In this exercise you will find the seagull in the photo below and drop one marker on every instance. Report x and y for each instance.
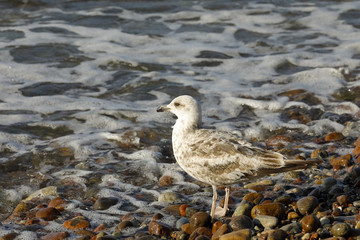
(219, 158)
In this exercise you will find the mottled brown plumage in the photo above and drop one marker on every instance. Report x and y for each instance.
(219, 158)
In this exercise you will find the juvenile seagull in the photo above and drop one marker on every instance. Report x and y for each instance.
(219, 158)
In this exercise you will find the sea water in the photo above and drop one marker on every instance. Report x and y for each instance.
(81, 80)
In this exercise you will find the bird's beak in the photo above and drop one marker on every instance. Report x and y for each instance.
(163, 109)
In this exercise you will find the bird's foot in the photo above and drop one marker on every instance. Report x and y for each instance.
(220, 212)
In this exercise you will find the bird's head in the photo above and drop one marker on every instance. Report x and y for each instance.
(186, 109)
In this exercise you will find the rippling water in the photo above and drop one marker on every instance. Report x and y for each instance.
(80, 82)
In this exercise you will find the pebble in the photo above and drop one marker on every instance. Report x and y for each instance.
(165, 181)
(55, 236)
(48, 213)
(122, 225)
(310, 223)
(243, 234)
(292, 228)
(340, 229)
(265, 182)
(244, 208)
(253, 197)
(319, 153)
(78, 222)
(292, 215)
(328, 183)
(159, 229)
(58, 202)
(270, 209)
(307, 204)
(241, 222)
(173, 209)
(182, 209)
(105, 203)
(334, 137)
(46, 191)
(277, 234)
(168, 197)
(200, 231)
(199, 219)
(266, 221)
(223, 229)
(179, 235)
(181, 221)
(345, 161)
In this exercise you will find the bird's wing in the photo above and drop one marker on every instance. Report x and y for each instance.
(225, 153)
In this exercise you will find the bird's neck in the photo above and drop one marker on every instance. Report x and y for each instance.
(184, 125)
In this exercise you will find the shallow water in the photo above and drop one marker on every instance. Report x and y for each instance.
(81, 80)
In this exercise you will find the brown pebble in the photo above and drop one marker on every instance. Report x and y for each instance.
(157, 216)
(199, 219)
(129, 217)
(173, 209)
(306, 205)
(223, 229)
(258, 188)
(342, 200)
(182, 209)
(186, 228)
(200, 231)
(270, 209)
(85, 234)
(334, 137)
(159, 229)
(240, 222)
(23, 207)
(319, 153)
(310, 223)
(55, 236)
(357, 142)
(9, 236)
(278, 141)
(124, 224)
(58, 203)
(345, 161)
(48, 213)
(165, 181)
(78, 222)
(216, 226)
(253, 197)
(244, 234)
(100, 228)
(292, 215)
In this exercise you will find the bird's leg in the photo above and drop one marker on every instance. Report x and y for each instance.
(221, 212)
(213, 206)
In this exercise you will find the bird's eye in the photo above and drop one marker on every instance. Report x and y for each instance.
(177, 104)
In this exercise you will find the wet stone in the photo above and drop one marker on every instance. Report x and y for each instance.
(182, 209)
(223, 229)
(277, 234)
(328, 183)
(340, 229)
(243, 208)
(55, 236)
(159, 229)
(266, 221)
(270, 209)
(334, 137)
(78, 222)
(243, 234)
(48, 213)
(181, 222)
(169, 197)
(124, 224)
(200, 231)
(253, 197)
(307, 204)
(105, 203)
(294, 227)
(165, 181)
(199, 219)
(58, 203)
(310, 223)
(213, 54)
(240, 222)
(172, 209)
